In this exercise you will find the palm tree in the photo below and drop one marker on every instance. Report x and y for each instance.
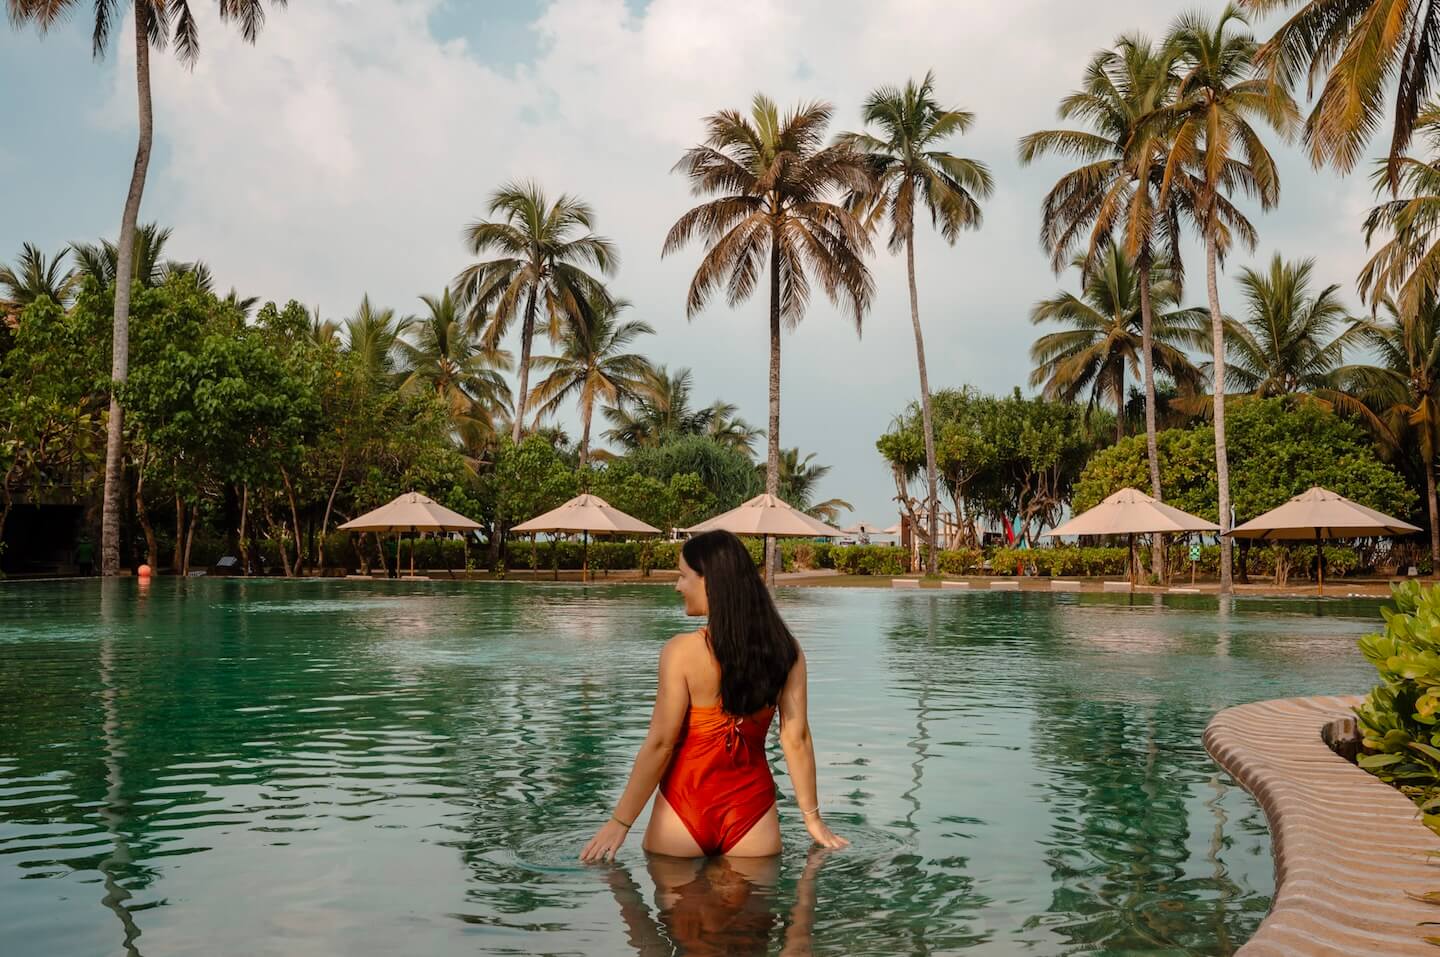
(541, 265)
(657, 408)
(1400, 394)
(798, 480)
(774, 183)
(593, 365)
(1407, 265)
(1358, 47)
(1215, 150)
(157, 23)
(1116, 188)
(33, 276)
(910, 168)
(372, 338)
(149, 267)
(1105, 338)
(726, 427)
(1284, 345)
(442, 358)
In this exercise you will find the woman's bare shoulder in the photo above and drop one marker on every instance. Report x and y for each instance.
(686, 643)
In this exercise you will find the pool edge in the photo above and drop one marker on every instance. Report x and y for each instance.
(1347, 847)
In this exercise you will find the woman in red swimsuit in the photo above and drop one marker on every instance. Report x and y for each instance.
(719, 689)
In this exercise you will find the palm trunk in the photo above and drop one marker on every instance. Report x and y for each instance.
(527, 333)
(1147, 364)
(932, 504)
(1120, 402)
(1222, 462)
(585, 416)
(120, 347)
(772, 458)
(1434, 520)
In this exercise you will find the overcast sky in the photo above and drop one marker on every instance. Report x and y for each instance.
(346, 151)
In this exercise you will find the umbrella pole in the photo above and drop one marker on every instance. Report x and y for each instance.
(1319, 564)
(412, 554)
(585, 557)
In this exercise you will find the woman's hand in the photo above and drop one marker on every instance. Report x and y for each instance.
(822, 835)
(605, 843)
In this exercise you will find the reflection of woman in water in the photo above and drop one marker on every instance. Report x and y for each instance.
(721, 905)
(719, 689)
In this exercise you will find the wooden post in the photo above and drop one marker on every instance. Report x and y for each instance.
(1319, 562)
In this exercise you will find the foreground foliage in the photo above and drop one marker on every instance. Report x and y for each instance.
(1400, 719)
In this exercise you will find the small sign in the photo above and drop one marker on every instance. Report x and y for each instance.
(1194, 553)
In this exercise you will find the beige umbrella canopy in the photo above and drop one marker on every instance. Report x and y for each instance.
(1130, 512)
(767, 515)
(1318, 514)
(411, 512)
(588, 514)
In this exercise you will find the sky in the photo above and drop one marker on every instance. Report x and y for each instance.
(345, 152)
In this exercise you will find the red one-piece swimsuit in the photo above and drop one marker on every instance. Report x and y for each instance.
(719, 781)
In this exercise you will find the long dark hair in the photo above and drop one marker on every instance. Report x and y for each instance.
(755, 649)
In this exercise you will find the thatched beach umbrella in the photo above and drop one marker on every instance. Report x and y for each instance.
(410, 512)
(1318, 514)
(589, 515)
(1130, 512)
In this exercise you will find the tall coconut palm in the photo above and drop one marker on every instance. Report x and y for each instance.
(911, 169)
(1286, 343)
(1216, 150)
(438, 355)
(1115, 191)
(158, 23)
(775, 210)
(1356, 48)
(1406, 265)
(35, 275)
(1105, 338)
(1400, 393)
(543, 251)
(593, 366)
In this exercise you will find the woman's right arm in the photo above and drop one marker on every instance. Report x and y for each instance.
(800, 754)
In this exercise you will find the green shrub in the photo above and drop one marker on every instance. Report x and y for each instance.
(870, 559)
(959, 561)
(1399, 721)
(1061, 560)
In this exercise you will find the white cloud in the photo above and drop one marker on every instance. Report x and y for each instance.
(345, 152)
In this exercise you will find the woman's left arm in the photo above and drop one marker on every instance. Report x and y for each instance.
(672, 701)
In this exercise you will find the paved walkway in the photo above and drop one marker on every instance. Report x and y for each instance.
(1347, 846)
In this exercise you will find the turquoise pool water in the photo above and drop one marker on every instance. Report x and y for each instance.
(270, 767)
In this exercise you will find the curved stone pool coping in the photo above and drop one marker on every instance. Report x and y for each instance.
(1347, 846)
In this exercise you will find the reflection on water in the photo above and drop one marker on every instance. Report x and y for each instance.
(373, 768)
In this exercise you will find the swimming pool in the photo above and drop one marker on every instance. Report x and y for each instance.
(331, 767)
